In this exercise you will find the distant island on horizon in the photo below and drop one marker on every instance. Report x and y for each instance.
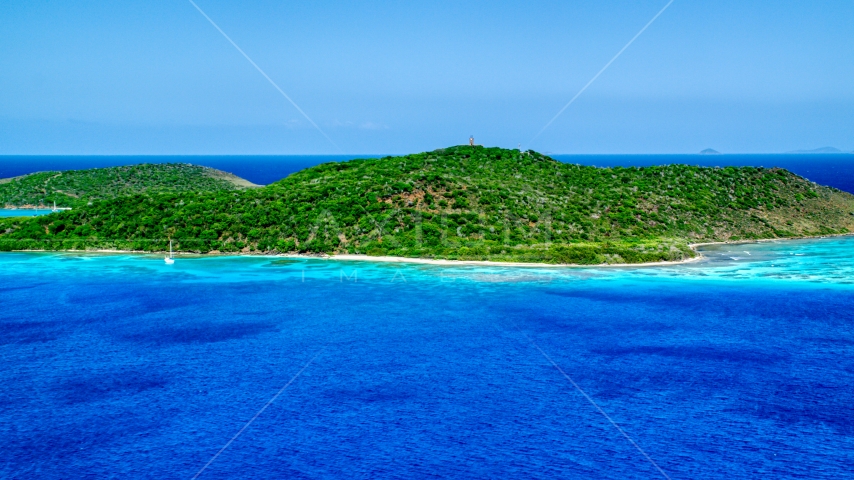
(819, 150)
(457, 203)
(712, 151)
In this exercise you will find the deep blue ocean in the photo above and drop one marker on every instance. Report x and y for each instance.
(740, 366)
(836, 170)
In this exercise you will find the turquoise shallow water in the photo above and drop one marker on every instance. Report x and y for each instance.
(4, 212)
(740, 366)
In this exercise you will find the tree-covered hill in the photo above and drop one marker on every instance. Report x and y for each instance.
(75, 188)
(460, 203)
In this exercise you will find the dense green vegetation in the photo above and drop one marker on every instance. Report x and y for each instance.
(75, 188)
(459, 203)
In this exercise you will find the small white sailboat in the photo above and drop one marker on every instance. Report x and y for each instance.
(169, 260)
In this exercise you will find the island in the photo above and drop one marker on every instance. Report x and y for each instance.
(819, 150)
(458, 203)
(76, 188)
(709, 151)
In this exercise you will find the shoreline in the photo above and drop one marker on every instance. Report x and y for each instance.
(429, 261)
(490, 263)
(380, 259)
(449, 263)
(32, 207)
(768, 240)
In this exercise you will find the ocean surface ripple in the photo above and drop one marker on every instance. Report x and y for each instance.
(738, 366)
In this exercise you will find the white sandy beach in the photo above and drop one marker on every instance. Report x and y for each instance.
(442, 262)
(429, 261)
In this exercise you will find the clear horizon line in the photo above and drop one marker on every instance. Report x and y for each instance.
(841, 152)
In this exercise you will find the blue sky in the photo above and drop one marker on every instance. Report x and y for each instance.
(155, 77)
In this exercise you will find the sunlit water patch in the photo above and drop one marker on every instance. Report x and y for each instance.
(738, 366)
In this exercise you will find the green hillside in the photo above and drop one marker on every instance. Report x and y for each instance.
(74, 188)
(460, 203)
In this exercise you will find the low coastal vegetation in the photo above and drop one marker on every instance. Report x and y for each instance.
(465, 203)
(77, 188)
